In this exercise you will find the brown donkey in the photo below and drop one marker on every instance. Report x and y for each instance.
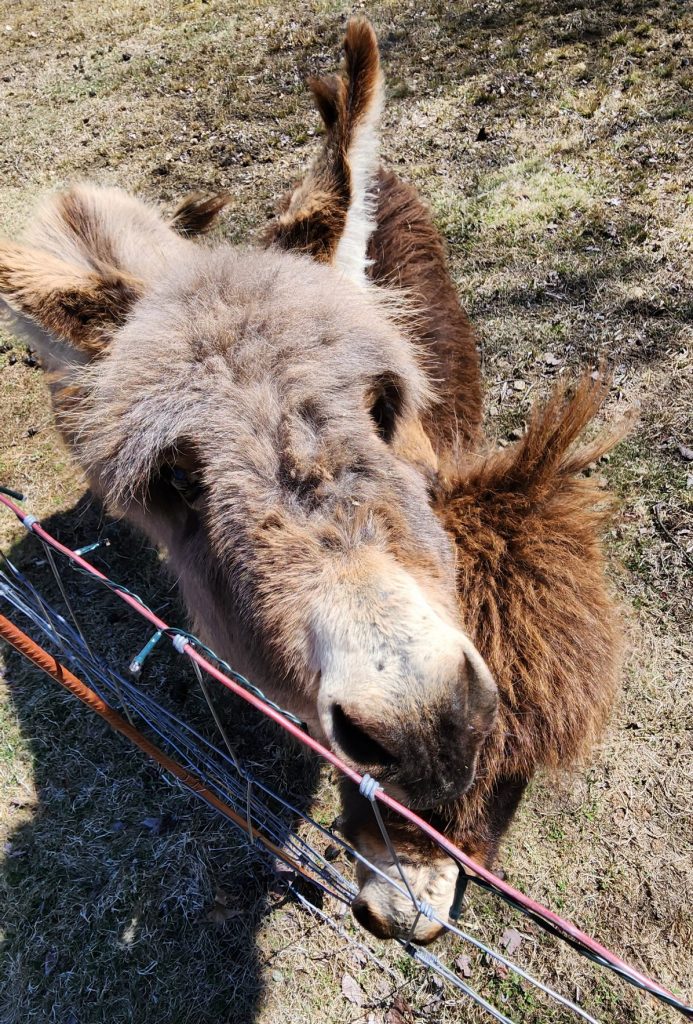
(299, 440)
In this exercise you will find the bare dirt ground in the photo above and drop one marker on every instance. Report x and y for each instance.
(553, 140)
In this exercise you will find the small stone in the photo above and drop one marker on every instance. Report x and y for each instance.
(519, 385)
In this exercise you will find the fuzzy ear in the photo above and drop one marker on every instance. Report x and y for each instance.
(329, 215)
(197, 213)
(70, 303)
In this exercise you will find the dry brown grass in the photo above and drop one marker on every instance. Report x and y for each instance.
(570, 232)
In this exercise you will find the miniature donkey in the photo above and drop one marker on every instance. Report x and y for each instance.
(299, 427)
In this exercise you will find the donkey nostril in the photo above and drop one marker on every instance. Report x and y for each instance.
(355, 741)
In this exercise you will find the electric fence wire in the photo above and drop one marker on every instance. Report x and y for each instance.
(250, 797)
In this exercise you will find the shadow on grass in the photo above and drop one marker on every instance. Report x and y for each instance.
(123, 898)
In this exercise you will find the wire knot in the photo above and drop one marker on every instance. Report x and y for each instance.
(369, 786)
(426, 910)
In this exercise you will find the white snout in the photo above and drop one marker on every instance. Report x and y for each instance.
(385, 910)
(385, 643)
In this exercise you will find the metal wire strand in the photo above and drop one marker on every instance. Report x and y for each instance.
(224, 774)
(189, 746)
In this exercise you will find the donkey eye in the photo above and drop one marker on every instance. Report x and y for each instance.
(385, 405)
(187, 484)
(180, 472)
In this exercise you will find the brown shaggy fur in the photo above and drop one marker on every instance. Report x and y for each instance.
(78, 306)
(408, 253)
(531, 583)
(530, 569)
(335, 532)
(198, 212)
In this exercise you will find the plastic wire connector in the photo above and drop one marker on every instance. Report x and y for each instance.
(369, 786)
(29, 521)
(139, 659)
(88, 548)
(12, 494)
(180, 642)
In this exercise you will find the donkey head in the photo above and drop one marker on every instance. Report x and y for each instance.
(259, 414)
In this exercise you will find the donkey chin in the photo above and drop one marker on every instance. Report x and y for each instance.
(386, 910)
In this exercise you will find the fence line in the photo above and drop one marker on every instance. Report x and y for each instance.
(212, 772)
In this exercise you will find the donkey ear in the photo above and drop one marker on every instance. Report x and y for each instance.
(330, 214)
(197, 213)
(74, 304)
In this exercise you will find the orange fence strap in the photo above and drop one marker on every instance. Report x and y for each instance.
(57, 671)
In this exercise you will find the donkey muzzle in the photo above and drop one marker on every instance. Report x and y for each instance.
(418, 737)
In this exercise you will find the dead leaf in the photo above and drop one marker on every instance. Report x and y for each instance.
(551, 360)
(402, 1009)
(464, 965)
(511, 940)
(380, 988)
(359, 957)
(685, 453)
(393, 1016)
(220, 911)
(352, 991)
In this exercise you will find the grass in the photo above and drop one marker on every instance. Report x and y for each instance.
(570, 229)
